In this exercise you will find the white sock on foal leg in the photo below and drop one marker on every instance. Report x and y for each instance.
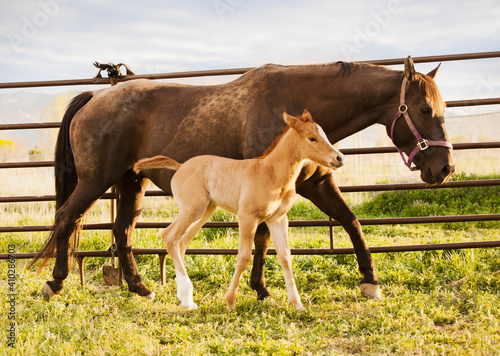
(185, 292)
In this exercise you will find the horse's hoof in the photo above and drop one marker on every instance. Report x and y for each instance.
(47, 291)
(262, 293)
(150, 296)
(371, 291)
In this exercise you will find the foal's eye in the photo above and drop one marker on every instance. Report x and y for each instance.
(426, 110)
(312, 139)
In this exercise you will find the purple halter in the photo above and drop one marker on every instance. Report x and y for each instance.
(422, 143)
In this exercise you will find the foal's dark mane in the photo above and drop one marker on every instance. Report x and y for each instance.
(273, 144)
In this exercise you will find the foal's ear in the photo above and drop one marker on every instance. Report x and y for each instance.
(433, 72)
(306, 116)
(409, 70)
(288, 118)
(292, 121)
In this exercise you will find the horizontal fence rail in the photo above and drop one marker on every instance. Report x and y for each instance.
(291, 223)
(232, 224)
(343, 189)
(346, 151)
(234, 71)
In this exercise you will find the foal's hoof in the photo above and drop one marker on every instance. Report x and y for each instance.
(150, 296)
(191, 306)
(47, 291)
(371, 291)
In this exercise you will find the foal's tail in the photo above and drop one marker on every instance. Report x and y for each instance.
(156, 162)
(65, 173)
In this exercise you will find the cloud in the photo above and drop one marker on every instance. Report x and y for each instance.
(175, 35)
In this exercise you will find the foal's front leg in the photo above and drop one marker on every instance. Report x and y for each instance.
(279, 235)
(247, 227)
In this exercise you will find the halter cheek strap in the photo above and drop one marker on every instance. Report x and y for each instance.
(422, 143)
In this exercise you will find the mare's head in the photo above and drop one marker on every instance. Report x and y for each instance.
(312, 141)
(418, 128)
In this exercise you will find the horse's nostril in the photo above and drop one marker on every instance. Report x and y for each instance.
(340, 158)
(447, 170)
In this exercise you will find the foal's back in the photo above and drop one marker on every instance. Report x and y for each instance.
(238, 186)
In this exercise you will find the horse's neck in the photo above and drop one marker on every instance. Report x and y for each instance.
(344, 104)
(285, 160)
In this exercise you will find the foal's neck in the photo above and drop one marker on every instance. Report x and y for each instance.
(285, 159)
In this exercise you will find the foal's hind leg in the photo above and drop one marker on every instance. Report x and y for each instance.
(67, 217)
(131, 193)
(176, 238)
(188, 236)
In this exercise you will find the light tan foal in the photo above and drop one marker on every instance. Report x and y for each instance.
(256, 190)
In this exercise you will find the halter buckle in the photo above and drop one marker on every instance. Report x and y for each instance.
(423, 145)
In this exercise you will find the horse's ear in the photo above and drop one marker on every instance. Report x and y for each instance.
(409, 70)
(433, 72)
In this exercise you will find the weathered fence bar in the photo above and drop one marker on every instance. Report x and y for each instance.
(234, 71)
(292, 223)
(54, 125)
(344, 189)
(295, 251)
(346, 151)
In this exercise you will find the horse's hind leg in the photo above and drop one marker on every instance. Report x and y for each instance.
(67, 217)
(258, 279)
(131, 190)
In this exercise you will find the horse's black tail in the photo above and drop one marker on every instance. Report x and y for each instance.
(65, 170)
(65, 173)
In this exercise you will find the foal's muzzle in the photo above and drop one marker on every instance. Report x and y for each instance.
(338, 161)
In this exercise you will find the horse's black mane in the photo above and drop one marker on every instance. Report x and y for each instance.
(345, 67)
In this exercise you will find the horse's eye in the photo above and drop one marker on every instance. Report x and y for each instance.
(426, 110)
(312, 139)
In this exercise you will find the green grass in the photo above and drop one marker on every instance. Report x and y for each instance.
(435, 302)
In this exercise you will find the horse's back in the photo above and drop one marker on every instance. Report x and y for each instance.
(142, 118)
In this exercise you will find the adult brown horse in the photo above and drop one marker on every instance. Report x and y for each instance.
(104, 133)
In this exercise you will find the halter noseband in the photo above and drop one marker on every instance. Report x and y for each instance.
(422, 143)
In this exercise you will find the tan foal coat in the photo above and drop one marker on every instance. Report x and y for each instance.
(256, 190)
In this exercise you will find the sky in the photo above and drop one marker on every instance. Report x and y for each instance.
(60, 39)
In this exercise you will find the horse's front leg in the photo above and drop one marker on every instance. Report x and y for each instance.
(324, 193)
(279, 234)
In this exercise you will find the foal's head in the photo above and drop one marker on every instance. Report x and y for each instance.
(313, 143)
